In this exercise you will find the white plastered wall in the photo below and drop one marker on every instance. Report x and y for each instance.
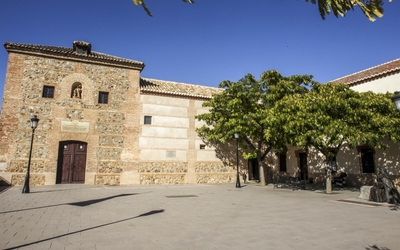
(389, 83)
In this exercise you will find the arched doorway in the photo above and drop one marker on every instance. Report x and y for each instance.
(71, 165)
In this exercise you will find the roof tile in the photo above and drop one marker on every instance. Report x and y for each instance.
(69, 52)
(370, 73)
(177, 88)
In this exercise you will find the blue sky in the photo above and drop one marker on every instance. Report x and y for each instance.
(212, 40)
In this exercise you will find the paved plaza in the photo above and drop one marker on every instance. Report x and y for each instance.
(193, 217)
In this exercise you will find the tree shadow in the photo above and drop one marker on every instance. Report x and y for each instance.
(152, 212)
(375, 247)
(79, 203)
(94, 201)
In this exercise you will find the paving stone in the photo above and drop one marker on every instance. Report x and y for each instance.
(219, 217)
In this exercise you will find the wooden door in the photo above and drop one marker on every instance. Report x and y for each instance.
(72, 162)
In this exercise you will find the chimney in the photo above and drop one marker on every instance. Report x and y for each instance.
(81, 47)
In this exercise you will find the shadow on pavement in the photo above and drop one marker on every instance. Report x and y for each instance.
(375, 247)
(80, 203)
(90, 228)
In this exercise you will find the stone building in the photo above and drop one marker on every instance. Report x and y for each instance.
(100, 122)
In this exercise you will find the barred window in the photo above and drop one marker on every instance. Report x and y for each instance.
(103, 97)
(48, 92)
(147, 119)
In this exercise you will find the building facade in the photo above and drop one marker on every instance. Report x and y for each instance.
(100, 122)
(361, 162)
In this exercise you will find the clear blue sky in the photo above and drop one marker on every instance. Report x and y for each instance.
(211, 40)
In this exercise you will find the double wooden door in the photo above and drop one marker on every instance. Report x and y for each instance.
(72, 162)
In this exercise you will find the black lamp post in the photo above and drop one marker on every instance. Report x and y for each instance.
(34, 124)
(396, 100)
(236, 136)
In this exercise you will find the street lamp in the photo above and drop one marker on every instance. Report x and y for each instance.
(236, 136)
(34, 124)
(396, 100)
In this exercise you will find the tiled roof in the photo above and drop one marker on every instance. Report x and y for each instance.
(70, 52)
(371, 73)
(177, 88)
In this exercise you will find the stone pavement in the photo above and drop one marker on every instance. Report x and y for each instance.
(193, 217)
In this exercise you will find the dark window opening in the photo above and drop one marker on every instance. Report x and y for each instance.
(103, 97)
(147, 120)
(48, 92)
(202, 146)
(367, 160)
(282, 162)
(332, 161)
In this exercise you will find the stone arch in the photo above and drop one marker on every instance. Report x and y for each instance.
(68, 83)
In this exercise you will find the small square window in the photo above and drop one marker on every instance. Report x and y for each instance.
(147, 119)
(103, 97)
(202, 146)
(48, 92)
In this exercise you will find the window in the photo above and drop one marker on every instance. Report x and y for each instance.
(48, 92)
(103, 97)
(367, 160)
(202, 146)
(282, 162)
(147, 119)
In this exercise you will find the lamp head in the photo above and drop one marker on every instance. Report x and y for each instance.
(396, 100)
(34, 122)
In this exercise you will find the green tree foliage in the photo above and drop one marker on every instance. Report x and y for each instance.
(243, 106)
(331, 116)
(370, 8)
(141, 3)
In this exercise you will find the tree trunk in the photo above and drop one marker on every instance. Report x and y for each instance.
(328, 178)
(261, 171)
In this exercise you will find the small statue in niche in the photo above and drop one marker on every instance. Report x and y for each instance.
(77, 93)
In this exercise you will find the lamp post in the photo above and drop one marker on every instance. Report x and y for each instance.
(34, 124)
(396, 100)
(236, 136)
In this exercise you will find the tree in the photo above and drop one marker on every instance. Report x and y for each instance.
(370, 8)
(243, 106)
(141, 2)
(332, 116)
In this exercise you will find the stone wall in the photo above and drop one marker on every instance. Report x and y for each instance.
(162, 172)
(34, 180)
(119, 150)
(215, 173)
(107, 123)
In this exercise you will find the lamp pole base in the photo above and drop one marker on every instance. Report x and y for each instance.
(237, 181)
